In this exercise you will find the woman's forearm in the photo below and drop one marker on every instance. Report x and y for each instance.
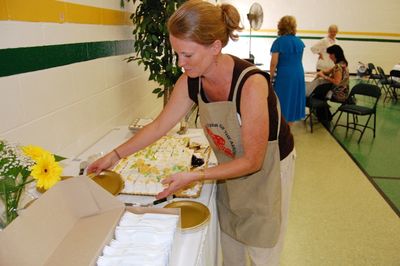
(273, 64)
(177, 107)
(141, 139)
(334, 79)
(235, 168)
(232, 169)
(272, 68)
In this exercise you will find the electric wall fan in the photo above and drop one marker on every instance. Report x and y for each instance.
(255, 17)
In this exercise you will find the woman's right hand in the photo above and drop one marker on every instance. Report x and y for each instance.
(320, 74)
(102, 163)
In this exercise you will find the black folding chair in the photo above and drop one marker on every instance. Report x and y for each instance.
(313, 104)
(395, 84)
(385, 83)
(373, 74)
(356, 109)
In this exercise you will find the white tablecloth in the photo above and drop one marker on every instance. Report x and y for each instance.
(191, 248)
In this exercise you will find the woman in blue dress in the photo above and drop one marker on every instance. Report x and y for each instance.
(286, 62)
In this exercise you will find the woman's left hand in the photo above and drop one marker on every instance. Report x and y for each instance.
(176, 182)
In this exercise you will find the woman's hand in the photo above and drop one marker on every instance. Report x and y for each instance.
(102, 163)
(272, 65)
(322, 75)
(176, 182)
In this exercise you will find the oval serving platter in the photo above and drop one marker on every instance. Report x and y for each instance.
(193, 214)
(109, 180)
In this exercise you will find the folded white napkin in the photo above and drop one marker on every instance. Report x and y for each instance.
(160, 216)
(141, 239)
(129, 218)
(124, 245)
(131, 260)
(137, 250)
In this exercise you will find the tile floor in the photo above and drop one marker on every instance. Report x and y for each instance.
(336, 217)
(378, 157)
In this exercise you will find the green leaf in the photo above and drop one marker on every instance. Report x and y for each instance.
(154, 37)
(156, 90)
(152, 46)
(58, 158)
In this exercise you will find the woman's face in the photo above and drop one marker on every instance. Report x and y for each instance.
(194, 58)
(332, 57)
(332, 33)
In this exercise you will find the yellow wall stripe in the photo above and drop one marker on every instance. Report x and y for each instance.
(111, 17)
(37, 11)
(83, 14)
(359, 33)
(60, 12)
(3, 10)
(382, 34)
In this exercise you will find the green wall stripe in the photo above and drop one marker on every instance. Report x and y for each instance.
(317, 38)
(368, 40)
(26, 59)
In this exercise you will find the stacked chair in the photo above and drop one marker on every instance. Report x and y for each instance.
(394, 83)
(374, 76)
(385, 83)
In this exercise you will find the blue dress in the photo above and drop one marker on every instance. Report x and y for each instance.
(289, 83)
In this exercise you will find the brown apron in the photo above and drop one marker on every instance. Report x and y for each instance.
(249, 207)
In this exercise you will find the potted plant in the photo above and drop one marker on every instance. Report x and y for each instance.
(152, 46)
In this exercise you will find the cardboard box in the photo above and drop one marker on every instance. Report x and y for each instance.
(68, 225)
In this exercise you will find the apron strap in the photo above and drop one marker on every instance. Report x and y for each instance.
(244, 72)
(278, 109)
(278, 105)
(198, 92)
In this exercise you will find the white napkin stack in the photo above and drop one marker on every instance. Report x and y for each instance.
(141, 239)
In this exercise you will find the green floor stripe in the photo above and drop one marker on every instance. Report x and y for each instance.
(391, 189)
(21, 60)
(385, 177)
(377, 157)
(384, 193)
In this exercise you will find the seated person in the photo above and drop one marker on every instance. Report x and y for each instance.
(332, 83)
(311, 86)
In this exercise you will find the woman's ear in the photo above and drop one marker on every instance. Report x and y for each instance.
(216, 47)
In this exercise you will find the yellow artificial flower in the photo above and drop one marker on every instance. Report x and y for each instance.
(35, 152)
(46, 171)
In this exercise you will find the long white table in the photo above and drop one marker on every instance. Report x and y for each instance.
(195, 248)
